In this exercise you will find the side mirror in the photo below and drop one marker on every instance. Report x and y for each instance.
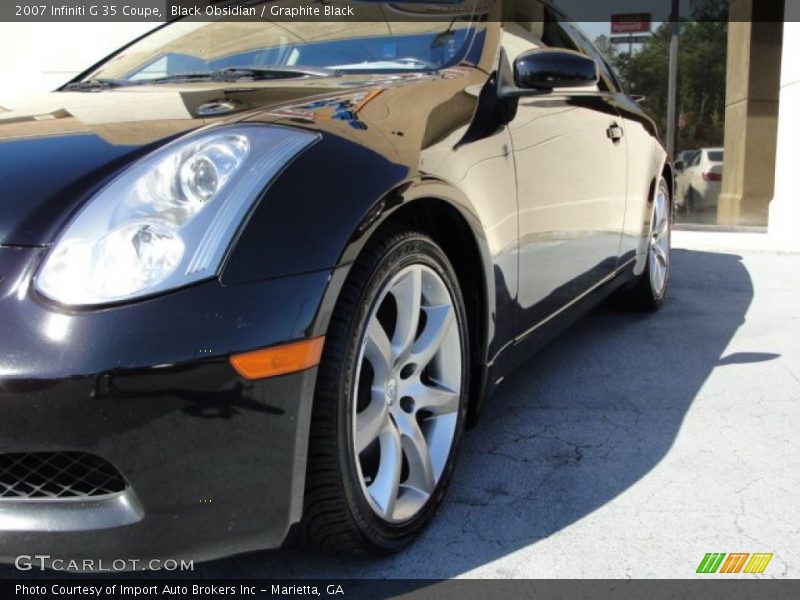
(680, 165)
(548, 69)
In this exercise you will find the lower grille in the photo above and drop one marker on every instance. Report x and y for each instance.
(57, 475)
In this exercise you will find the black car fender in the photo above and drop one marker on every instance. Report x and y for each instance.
(318, 214)
(325, 206)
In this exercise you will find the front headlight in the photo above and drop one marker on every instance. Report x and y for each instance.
(167, 220)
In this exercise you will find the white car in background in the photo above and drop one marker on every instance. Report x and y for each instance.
(699, 181)
(684, 156)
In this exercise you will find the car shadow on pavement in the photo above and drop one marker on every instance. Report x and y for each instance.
(574, 428)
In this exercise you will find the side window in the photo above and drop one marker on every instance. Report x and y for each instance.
(523, 27)
(530, 25)
(608, 81)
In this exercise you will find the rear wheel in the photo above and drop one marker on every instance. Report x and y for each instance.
(391, 399)
(651, 289)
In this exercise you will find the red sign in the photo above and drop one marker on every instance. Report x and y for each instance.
(631, 23)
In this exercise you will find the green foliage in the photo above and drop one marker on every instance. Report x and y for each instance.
(701, 75)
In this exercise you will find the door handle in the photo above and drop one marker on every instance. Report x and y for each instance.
(615, 132)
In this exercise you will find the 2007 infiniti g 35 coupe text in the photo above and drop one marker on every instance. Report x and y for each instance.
(256, 278)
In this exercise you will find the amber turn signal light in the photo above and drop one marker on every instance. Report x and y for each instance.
(279, 360)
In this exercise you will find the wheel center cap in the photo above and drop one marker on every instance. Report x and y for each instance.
(391, 391)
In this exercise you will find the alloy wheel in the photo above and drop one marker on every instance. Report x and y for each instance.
(407, 393)
(660, 242)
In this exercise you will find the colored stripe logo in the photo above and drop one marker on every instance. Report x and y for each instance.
(734, 562)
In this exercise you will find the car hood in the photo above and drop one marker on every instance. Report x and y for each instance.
(58, 149)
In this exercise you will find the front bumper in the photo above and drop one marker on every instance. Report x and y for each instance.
(214, 463)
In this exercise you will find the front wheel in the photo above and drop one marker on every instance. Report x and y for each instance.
(390, 403)
(651, 289)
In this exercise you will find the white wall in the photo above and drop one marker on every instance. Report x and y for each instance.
(784, 210)
(37, 57)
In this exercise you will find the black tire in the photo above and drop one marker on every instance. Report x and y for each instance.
(337, 515)
(642, 296)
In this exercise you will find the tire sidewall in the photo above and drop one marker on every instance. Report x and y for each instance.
(410, 250)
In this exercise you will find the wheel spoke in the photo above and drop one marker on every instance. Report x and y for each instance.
(660, 254)
(436, 398)
(408, 294)
(378, 350)
(386, 486)
(659, 207)
(370, 423)
(662, 218)
(656, 271)
(439, 321)
(420, 469)
(662, 228)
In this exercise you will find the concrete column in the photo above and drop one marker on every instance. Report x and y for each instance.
(784, 211)
(751, 112)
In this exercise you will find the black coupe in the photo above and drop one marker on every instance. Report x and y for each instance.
(256, 277)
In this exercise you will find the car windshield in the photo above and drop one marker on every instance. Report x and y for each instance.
(187, 48)
(716, 155)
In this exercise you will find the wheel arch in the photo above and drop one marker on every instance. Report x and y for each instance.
(669, 174)
(451, 231)
(445, 216)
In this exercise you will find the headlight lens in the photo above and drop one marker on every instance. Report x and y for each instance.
(168, 220)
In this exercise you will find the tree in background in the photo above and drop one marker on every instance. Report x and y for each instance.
(701, 74)
(609, 50)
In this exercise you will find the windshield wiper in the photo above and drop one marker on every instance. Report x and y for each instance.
(94, 85)
(276, 72)
(176, 78)
(236, 73)
(226, 74)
